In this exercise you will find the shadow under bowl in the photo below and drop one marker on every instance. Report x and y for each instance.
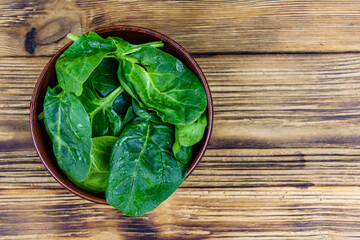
(48, 77)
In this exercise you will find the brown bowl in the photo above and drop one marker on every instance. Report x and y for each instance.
(48, 78)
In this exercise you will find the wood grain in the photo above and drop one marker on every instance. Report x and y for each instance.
(200, 26)
(252, 213)
(283, 162)
(284, 157)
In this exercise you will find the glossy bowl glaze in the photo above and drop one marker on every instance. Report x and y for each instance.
(48, 78)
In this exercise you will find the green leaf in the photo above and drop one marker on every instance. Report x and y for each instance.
(189, 135)
(76, 64)
(164, 84)
(130, 115)
(181, 153)
(96, 180)
(147, 114)
(104, 120)
(68, 126)
(122, 103)
(143, 170)
(104, 77)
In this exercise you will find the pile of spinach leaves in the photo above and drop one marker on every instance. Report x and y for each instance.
(123, 120)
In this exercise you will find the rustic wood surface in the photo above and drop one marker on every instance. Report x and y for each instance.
(284, 157)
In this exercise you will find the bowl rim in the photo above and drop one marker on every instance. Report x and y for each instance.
(164, 38)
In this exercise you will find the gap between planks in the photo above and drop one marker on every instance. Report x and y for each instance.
(212, 54)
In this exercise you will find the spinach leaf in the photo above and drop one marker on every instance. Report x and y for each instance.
(68, 126)
(76, 64)
(130, 115)
(122, 103)
(164, 84)
(104, 77)
(143, 170)
(147, 114)
(104, 120)
(181, 153)
(186, 136)
(96, 180)
(189, 135)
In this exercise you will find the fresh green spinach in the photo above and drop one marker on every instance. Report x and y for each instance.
(104, 77)
(130, 115)
(96, 180)
(104, 120)
(123, 120)
(181, 153)
(189, 135)
(125, 48)
(122, 103)
(76, 64)
(143, 170)
(164, 84)
(145, 113)
(68, 126)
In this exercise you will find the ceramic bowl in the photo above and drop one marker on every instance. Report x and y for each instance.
(48, 78)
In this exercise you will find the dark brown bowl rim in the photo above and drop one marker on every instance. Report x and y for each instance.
(164, 38)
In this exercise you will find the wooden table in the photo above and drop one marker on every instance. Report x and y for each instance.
(284, 157)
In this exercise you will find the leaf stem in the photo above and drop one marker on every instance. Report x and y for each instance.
(72, 37)
(152, 44)
(107, 100)
(129, 59)
(139, 46)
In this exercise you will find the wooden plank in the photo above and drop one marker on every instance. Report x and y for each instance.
(222, 168)
(200, 26)
(215, 213)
